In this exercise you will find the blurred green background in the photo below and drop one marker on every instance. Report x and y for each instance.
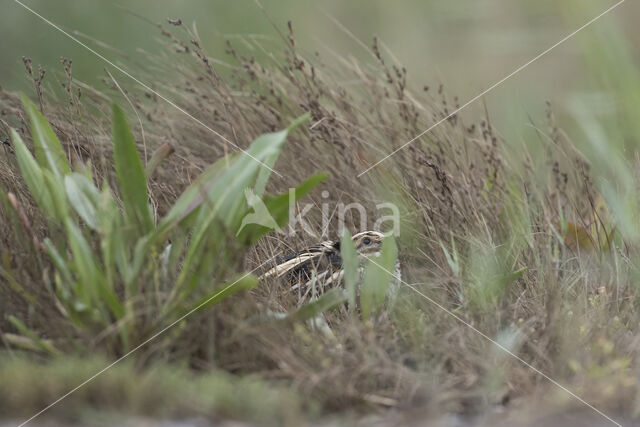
(466, 45)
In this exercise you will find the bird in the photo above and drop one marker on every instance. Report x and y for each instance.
(318, 268)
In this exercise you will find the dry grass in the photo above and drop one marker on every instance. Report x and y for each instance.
(568, 311)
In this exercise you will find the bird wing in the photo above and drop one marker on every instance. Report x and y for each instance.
(303, 263)
(290, 264)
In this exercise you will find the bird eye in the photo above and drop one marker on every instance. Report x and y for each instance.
(366, 241)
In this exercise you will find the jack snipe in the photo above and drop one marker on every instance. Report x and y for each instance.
(318, 268)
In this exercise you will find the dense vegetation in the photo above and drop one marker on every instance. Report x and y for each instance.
(108, 239)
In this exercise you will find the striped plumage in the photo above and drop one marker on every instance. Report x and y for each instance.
(318, 268)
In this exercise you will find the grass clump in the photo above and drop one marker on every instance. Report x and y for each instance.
(140, 275)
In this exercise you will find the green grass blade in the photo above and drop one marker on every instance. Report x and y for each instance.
(92, 282)
(39, 342)
(84, 197)
(59, 262)
(269, 160)
(32, 174)
(279, 205)
(193, 197)
(278, 208)
(225, 198)
(223, 183)
(47, 147)
(377, 277)
(58, 197)
(327, 301)
(15, 286)
(131, 176)
(243, 283)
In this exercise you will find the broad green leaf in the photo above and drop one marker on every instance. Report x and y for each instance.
(92, 283)
(178, 242)
(258, 214)
(140, 254)
(227, 194)
(327, 301)
(225, 197)
(270, 160)
(350, 265)
(512, 277)
(47, 147)
(452, 258)
(192, 198)
(83, 263)
(377, 276)
(32, 174)
(239, 169)
(58, 197)
(131, 176)
(243, 283)
(59, 262)
(184, 212)
(115, 251)
(278, 207)
(84, 197)
(577, 237)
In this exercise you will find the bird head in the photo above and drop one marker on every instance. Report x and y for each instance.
(368, 242)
